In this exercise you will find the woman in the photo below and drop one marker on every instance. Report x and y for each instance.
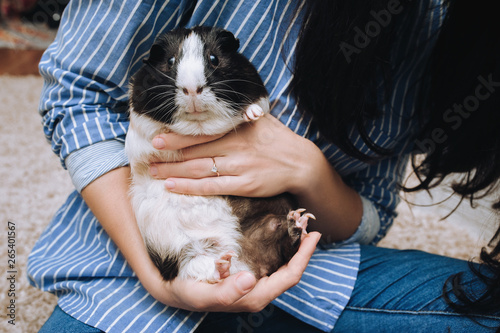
(344, 166)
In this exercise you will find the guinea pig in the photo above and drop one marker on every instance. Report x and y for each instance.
(194, 82)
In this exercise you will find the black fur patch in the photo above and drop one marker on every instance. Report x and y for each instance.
(169, 266)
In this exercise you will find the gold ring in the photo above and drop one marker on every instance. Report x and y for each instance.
(214, 168)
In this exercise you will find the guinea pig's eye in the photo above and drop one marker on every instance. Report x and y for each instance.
(214, 61)
(171, 62)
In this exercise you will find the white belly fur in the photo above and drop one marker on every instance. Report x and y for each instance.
(171, 223)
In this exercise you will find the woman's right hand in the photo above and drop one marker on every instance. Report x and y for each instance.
(108, 199)
(240, 292)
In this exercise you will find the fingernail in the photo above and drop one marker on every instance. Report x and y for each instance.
(153, 171)
(158, 143)
(170, 185)
(245, 281)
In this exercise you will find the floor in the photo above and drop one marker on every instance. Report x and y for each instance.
(480, 219)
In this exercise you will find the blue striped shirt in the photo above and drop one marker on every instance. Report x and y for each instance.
(84, 108)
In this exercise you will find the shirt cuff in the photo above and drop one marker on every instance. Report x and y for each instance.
(87, 164)
(367, 229)
(369, 226)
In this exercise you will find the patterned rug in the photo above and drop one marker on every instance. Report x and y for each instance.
(27, 28)
(23, 35)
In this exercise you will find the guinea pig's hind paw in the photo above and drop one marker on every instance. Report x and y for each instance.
(224, 264)
(300, 219)
(253, 112)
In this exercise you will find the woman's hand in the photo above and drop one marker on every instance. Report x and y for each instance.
(237, 293)
(262, 159)
(259, 159)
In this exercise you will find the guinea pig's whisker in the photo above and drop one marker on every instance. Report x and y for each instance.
(236, 80)
(157, 70)
(165, 101)
(166, 111)
(158, 87)
(211, 73)
(167, 105)
(165, 117)
(155, 95)
(227, 93)
(165, 95)
(160, 98)
(229, 117)
(231, 89)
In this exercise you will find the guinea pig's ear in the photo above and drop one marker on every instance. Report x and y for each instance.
(227, 42)
(156, 54)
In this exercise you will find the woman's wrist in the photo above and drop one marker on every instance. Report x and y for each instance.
(320, 189)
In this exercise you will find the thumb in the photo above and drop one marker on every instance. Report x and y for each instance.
(245, 281)
(234, 288)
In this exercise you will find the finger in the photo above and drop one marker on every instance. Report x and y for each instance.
(233, 289)
(268, 288)
(193, 169)
(237, 140)
(289, 275)
(172, 141)
(299, 262)
(216, 297)
(218, 147)
(205, 186)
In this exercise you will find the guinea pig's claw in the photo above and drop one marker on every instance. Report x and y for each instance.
(301, 220)
(253, 112)
(311, 216)
(224, 264)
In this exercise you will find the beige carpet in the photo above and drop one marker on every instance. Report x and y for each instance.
(33, 186)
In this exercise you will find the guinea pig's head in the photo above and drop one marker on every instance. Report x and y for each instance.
(195, 82)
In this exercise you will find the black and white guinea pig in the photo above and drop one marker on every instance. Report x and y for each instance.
(194, 82)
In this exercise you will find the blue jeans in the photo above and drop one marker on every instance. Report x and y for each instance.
(396, 291)
(401, 291)
(61, 322)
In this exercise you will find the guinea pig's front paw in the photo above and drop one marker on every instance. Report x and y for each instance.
(300, 219)
(253, 112)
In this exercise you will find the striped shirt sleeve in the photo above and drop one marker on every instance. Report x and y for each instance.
(89, 163)
(84, 99)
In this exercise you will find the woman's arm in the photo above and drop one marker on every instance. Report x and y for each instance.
(108, 199)
(262, 159)
(84, 104)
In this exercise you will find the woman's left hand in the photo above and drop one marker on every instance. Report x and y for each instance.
(260, 159)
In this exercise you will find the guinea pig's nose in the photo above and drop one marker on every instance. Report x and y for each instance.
(192, 90)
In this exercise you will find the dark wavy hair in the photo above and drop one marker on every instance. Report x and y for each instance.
(332, 80)
(460, 109)
(461, 135)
